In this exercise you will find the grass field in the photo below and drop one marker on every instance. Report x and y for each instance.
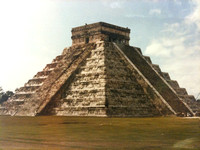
(99, 133)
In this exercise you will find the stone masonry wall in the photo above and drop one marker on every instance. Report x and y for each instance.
(157, 80)
(85, 95)
(125, 96)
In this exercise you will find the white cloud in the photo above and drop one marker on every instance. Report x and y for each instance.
(114, 3)
(171, 27)
(155, 12)
(154, 1)
(135, 16)
(156, 49)
(178, 2)
(194, 17)
(178, 51)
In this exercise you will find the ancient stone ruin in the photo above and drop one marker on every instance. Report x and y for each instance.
(101, 75)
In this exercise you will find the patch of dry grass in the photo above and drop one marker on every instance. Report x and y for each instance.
(99, 133)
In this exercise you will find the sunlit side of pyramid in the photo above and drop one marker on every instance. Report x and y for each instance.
(101, 75)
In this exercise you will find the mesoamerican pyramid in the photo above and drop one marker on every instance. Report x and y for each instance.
(101, 75)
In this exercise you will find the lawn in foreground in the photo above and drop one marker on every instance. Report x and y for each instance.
(99, 133)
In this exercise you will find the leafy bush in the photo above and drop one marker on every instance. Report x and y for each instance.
(5, 95)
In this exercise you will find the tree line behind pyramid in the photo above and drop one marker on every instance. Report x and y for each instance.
(101, 75)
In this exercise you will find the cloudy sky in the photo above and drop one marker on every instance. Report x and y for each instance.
(33, 32)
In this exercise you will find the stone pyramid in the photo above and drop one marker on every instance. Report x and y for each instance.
(101, 75)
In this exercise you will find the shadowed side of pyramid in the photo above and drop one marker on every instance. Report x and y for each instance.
(156, 78)
(181, 92)
(128, 93)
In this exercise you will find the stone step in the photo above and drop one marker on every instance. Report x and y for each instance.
(82, 111)
(188, 98)
(22, 95)
(113, 63)
(88, 90)
(82, 104)
(130, 101)
(119, 80)
(66, 51)
(40, 77)
(100, 106)
(91, 74)
(181, 91)
(148, 59)
(24, 92)
(123, 86)
(119, 71)
(95, 58)
(116, 83)
(93, 66)
(98, 50)
(36, 81)
(90, 93)
(84, 82)
(58, 58)
(166, 76)
(90, 78)
(2, 108)
(123, 75)
(88, 73)
(44, 73)
(51, 66)
(88, 87)
(157, 68)
(17, 102)
(139, 108)
(127, 91)
(28, 89)
(97, 100)
(79, 99)
(32, 85)
(191, 101)
(173, 83)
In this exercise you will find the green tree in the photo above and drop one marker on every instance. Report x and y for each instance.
(5, 95)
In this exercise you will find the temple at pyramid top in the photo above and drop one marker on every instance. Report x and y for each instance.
(100, 31)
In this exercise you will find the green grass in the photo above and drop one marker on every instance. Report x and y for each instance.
(99, 133)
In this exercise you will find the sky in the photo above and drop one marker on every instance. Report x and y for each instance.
(34, 32)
